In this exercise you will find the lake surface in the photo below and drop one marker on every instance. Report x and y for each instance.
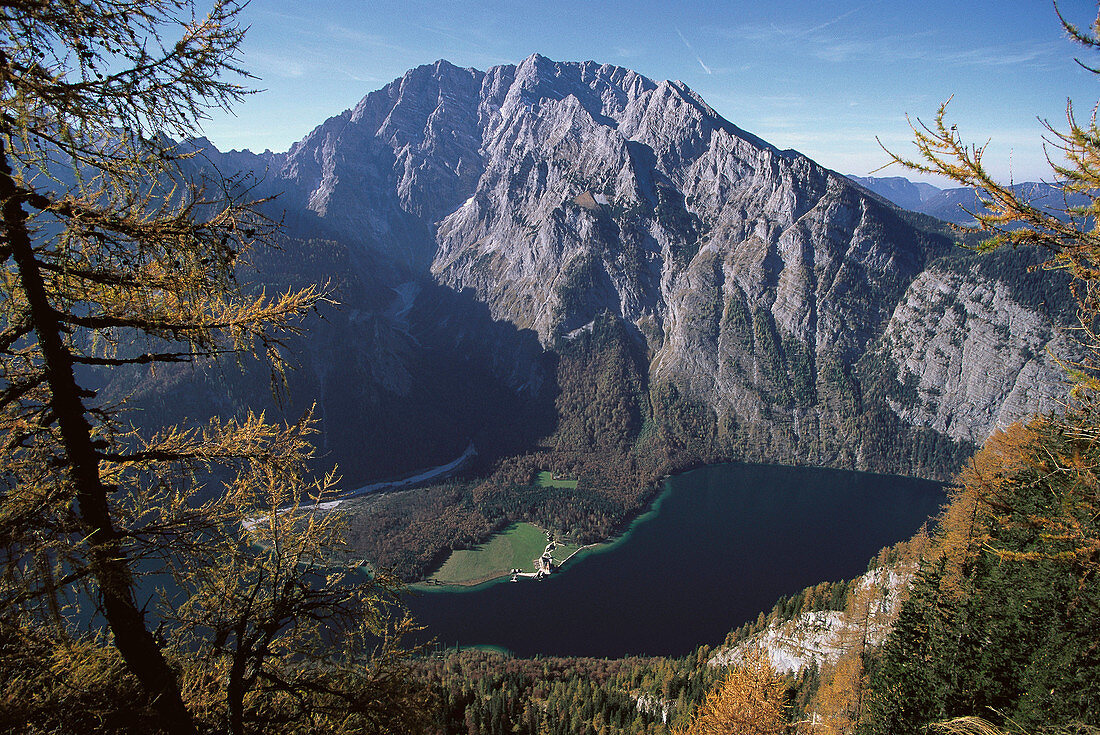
(721, 544)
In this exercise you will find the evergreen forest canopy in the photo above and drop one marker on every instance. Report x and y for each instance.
(114, 255)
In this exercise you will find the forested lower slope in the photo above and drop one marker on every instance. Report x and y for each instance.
(1001, 621)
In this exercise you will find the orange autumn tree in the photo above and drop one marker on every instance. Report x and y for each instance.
(113, 258)
(751, 700)
(1071, 238)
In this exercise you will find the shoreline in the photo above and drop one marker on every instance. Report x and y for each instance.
(707, 533)
(404, 483)
(659, 490)
(428, 584)
(651, 506)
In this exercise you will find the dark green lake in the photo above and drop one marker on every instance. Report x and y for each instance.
(721, 544)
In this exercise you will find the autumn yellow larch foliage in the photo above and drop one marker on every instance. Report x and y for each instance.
(752, 700)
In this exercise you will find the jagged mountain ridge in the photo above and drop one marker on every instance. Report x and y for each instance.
(755, 284)
(959, 204)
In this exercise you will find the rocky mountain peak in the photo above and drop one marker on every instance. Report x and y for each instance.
(556, 194)
(480, 173)
(604, 90)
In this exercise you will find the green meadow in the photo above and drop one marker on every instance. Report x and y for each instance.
(546, 479)
(516, 547)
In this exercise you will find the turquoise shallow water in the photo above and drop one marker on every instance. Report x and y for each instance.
(721, 545)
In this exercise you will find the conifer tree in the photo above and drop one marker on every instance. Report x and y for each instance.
(1070, 235)
(751, 700)
(113, 258)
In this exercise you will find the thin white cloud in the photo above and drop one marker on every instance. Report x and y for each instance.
(919, 47)
(834, 21)
(697, 57)
(473, 47)
(791, 32)
(445, 33)
(912, 49)
(305, 62)
(279, 65)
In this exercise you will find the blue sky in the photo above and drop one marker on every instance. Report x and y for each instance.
(823, 78)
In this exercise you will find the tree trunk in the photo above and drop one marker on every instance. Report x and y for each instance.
(235, 686)
(106, 560)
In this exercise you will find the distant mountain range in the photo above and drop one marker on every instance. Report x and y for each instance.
(959, 204)
(494, 232)
(906, 194)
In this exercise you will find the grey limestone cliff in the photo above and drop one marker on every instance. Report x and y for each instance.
(501, 213)
(971, 358)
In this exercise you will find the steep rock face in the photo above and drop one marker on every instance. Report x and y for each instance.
(970, 358)
(531, 239)
(737, 265)
(483, 219)
(821, 637)
(621, 200)
(378, 175)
